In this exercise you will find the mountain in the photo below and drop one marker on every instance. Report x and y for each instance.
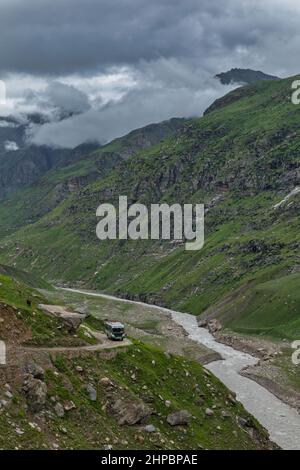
(243, 76)
(28, 164)
(242, 160)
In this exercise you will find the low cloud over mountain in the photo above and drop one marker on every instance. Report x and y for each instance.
(98, 69)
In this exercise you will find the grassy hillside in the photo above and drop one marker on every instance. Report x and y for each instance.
(29, 279)
(73, 399)
(268, 308)
(242, 160)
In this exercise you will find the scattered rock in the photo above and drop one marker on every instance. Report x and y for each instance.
(214, 326)
(36, 371)
(69, 405)
(232, 399)
(209, 412)
(202, 323)
(139, 438)
(150, 428)
(244, 422)
(179, 418)
(129, 412)
(59, 410)
(35, 426)
(106, 382)
(36, 392)
(225, 414)
(92, 392)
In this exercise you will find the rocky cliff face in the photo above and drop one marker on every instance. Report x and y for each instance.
(24, 166)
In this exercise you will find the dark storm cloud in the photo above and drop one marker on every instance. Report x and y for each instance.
(108, 66)
(64, 36)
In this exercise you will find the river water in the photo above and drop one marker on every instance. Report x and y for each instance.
(281, 420)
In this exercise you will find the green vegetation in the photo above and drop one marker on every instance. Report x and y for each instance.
(240, 159)
(269, 308)
(68, 418)
(23, 320)
(90, 425)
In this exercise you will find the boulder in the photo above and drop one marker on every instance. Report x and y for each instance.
(36, 392)
(179, 418)
(130, 412)
(72, 321)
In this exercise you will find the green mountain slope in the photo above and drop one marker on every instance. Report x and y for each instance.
(241, 159)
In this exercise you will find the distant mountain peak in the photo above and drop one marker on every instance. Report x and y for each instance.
(243, 76)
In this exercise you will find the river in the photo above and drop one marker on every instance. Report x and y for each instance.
(281, 420)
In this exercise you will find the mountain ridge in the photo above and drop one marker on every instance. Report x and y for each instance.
(243, 76)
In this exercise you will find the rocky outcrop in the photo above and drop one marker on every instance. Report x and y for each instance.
(70, 320)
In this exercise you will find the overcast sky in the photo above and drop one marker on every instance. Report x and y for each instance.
(99, 68)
